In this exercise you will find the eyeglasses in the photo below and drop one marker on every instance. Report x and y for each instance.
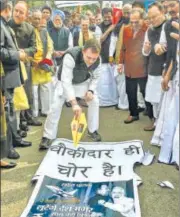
(127, 13)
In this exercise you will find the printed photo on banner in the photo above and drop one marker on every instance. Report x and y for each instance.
(53, 197)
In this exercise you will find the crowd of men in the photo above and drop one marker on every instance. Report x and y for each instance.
(51, 57)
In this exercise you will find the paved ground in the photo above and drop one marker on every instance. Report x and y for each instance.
(155, 201)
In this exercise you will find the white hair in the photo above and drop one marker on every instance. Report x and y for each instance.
(127, 6)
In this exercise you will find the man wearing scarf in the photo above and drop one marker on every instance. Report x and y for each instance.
(26, 41)
(13, 77)
(41, 75)
(107, 88)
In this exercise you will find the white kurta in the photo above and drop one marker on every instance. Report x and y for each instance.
(153, 89)
(154, 92)
(175, 156)
(107, 87)
(120, 80)
(171, 123)
(98, 33)
(158, 135)
(121, 86)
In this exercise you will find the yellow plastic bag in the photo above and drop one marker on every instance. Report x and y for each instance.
(3, 125)
(20, 99)
(1, 69)
(78, 128)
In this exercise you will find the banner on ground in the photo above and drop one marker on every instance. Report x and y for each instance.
(93, 180)
(92, 162)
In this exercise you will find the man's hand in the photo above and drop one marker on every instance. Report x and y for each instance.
(55, 53)
(112, 27)
(77, 110)
(175, 35)
(58, 53)
(120, 68)
(159, 49)
(22, 55)
(165, 82)
(35, 64)
(147, 47)
(61, 53)
(89, 96)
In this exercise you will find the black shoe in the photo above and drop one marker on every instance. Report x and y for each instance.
(44, 144)
(34, 122)
(8, 165)
(140, 109)
(131, 119)
(68, 104)
(13, 154)
(22, 118)
(23, 144)
(24, 127)
(43, 115)
(145, 112)
(95, 136)
(22, 134)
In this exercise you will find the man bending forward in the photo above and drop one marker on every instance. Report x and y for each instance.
(78, 76)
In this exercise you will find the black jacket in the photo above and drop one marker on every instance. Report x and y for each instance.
(9, 56)
(155, 63)
(172, 47)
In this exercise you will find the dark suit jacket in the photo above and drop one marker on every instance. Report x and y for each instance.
(9, 56)
(25, 37)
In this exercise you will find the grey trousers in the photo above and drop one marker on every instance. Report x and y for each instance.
(11, 116)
